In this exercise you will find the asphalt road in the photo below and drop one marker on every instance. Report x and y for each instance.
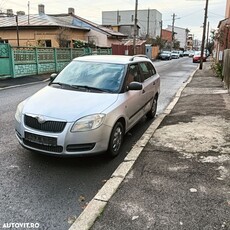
(53, 191)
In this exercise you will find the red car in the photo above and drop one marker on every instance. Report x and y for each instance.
(197, 57)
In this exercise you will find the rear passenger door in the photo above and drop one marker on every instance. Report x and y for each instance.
(149, 77)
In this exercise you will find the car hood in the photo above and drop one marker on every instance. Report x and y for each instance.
(68, 105)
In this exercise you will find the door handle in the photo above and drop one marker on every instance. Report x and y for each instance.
(143, 91)
(154, 83)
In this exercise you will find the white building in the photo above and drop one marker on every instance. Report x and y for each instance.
(149, 21)
(180, 34)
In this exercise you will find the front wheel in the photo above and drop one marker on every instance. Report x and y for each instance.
(152, 113)
(116, 139)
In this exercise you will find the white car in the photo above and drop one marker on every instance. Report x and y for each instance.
(89, 106)
(175, 54)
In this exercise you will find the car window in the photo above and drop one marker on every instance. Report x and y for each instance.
(152, 69)
(105, 76)
(133, 74)
(147, 70)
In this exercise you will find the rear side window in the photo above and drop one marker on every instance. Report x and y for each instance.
(147, 70)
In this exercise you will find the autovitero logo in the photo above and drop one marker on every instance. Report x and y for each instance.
(20, 225)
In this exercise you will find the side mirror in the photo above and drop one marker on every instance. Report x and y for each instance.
(135, 86)
(53, 76)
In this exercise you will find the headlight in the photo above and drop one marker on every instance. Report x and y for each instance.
(88, 123)
(18, 114)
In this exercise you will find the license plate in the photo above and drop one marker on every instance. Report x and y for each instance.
(39, 139)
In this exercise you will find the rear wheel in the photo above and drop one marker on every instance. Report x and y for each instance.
(152, 113)
(116, 139)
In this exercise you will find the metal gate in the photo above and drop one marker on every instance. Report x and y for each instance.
(5, 52)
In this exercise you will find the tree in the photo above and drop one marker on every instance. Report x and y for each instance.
(157, 42)
(176, 44)
(62, 37)
(210, 43)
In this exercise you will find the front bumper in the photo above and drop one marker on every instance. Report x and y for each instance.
(64, 143)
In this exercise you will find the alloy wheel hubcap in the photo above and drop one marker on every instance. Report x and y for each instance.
(117, 139)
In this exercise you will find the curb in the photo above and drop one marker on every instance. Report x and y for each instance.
(31, 83)
(96, 206)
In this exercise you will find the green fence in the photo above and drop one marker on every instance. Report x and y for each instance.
(24, 61)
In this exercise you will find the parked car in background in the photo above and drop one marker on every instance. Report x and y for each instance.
(186, 53)
(207, 53)
(89, 106)
(181, 53)
(191, 53)
(175, 54)
(165, 55)
(197, 57)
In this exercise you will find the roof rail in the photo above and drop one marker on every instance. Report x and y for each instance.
(138, 55)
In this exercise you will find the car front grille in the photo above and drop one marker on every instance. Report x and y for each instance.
(57, 149)
(47, 126)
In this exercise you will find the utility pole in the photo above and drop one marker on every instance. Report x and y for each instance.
(173, 23)
(16, 18)
(203, 37)
(118, 17)
(135, 29)
(227, 27)
(161, 23)
(147, 35)
(28, 12)
(207, 42)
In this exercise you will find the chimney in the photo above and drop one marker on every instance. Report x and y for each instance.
(70, 10)
(9, 12)
(41, 9)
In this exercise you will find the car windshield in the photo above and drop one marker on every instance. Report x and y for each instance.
(197, 53)
(92, 75)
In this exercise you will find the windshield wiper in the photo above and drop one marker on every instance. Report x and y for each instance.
(59, 83)
(64, 84)
(90, 88)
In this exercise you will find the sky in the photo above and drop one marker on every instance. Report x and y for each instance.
(189, 13)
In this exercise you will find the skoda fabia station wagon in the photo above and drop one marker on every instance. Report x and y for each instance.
(89, 106)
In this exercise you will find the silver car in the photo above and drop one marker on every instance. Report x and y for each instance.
(89, 106)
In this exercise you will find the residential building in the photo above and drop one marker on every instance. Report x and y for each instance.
(180, 34)
(166, 35)
(59, 30)
(196, 44)
(222, 35)
(127, 30)
(190, 42)
(149, 22)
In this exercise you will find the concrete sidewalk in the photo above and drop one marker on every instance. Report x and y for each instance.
(181, 179)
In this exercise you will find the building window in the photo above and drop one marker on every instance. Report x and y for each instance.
(44, 43)
(3, 41)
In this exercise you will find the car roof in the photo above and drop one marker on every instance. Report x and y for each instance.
(116, 59)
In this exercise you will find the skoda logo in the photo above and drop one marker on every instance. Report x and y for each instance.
(41, 119)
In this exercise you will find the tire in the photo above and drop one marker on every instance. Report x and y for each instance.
(152, 113)
(116, 139)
